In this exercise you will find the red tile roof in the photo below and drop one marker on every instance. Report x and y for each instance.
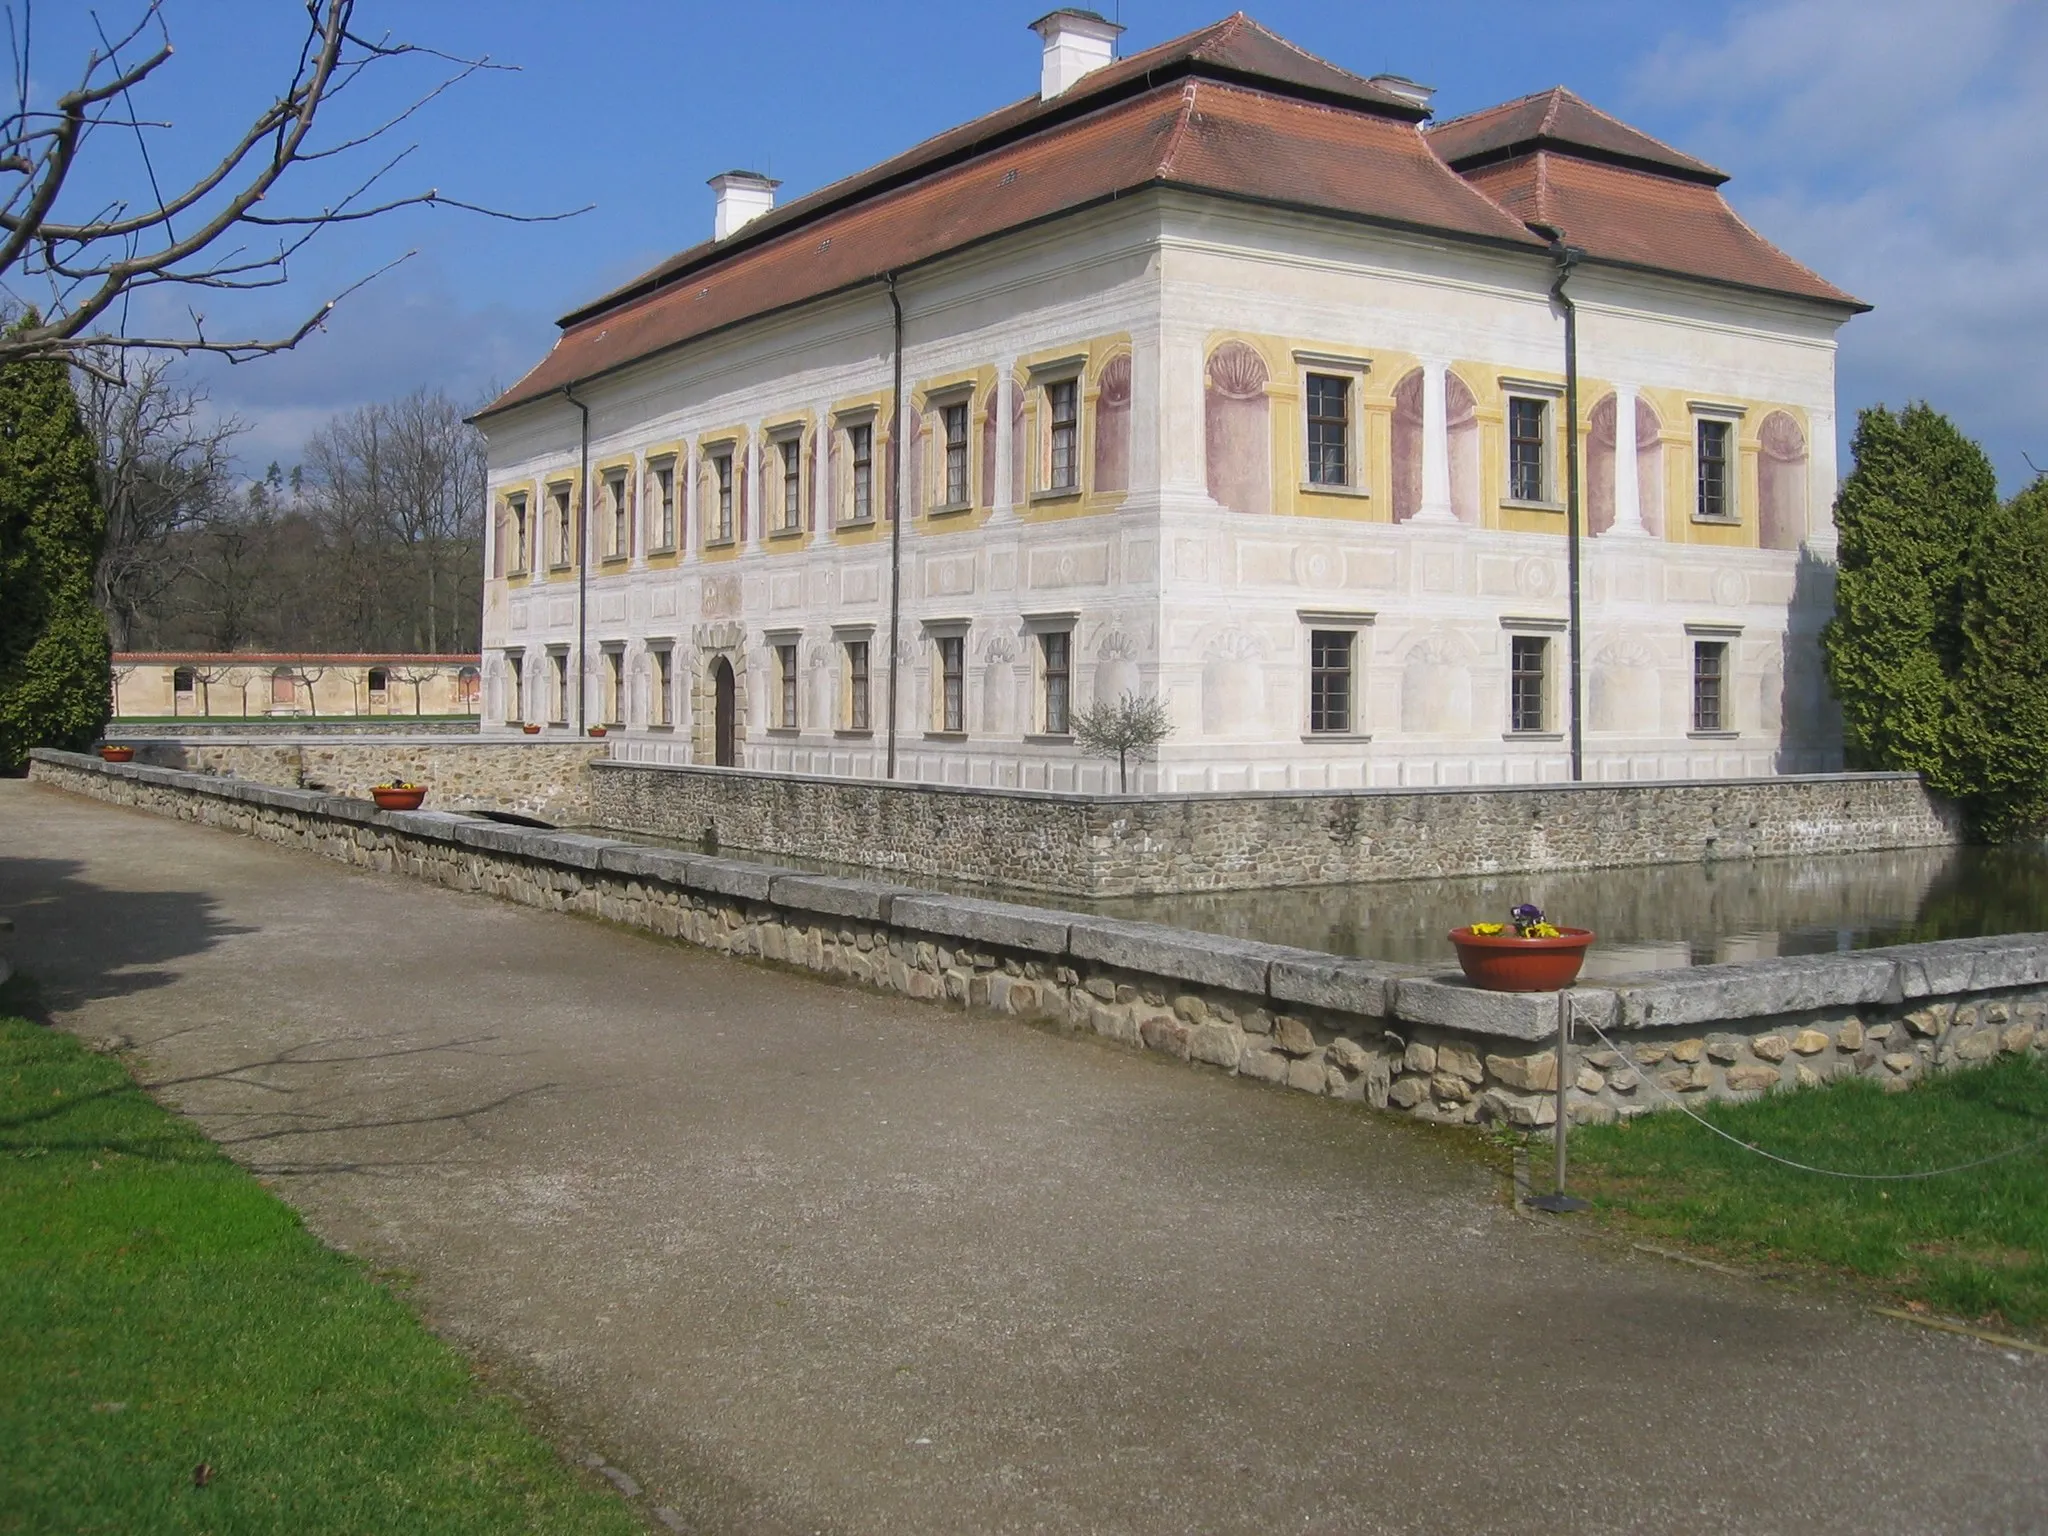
(1557, 119)
(1199, 133)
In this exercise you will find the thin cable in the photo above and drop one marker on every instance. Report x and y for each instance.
(1833, 1173)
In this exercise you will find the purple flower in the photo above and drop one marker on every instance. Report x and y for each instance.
(1526, 913)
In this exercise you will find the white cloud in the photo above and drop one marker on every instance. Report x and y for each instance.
(1900, 147)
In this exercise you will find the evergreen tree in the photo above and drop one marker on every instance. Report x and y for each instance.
(2001, 722)
(54, 657)
(1908, 515)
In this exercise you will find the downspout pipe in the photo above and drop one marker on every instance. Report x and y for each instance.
(896, 436)
(1566, 257)
(579, 509)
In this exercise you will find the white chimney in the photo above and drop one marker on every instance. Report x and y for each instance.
(1077, 43)
(743, 196)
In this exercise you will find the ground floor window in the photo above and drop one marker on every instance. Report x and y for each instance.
(857, 685)
(558, 663)
(1528, 683)
(661, 707)
(1056, 648)
(785, 685)
(953, 683)
(1329, 680)
(515, 686)
(614, 687)
(1709, 685)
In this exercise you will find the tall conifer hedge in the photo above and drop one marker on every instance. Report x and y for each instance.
(2001, 718)
(54, 656)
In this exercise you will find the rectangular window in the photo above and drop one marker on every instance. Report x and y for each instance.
(791, 450)
(1528, 669)
(1528, 475)
(785, 694)
(515, 683)
(860, 449)
(518, 532)
(614, 688)
(559, 661)
(1329, 429)
(956, 454)
(857, 685)
(1709, 685)
(665, 509)
(661, 708)
(621, 543)
(1057, 648)
(952, 683)
(565, 529)
(721, 469)
(1329, 680)
(1717, 503)
(1062, 402)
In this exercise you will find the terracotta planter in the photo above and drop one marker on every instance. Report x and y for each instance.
(597, 730)
(399, 799)
(531, 730)
(115, 754)
(1501, 962)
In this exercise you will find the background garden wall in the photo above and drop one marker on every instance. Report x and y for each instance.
(1143, 844)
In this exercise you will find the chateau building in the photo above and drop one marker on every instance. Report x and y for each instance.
(1217, 373)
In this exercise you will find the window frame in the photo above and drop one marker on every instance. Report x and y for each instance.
(614, 696)
(515, 663)
(1044, 379)
(1357, 626)
(661, 682)
(860, 472)
(1721, 639)
(1056, 705)
(1332, 687)
(787, 442)
(721, 528)
(1542, 631)
(515, 506)
(1727, 419)
(666, 536)
(619, 526)
(558, 677)
(856, 662)
(787, 700)
(1351, 373)
(947, 642)
(562, 510)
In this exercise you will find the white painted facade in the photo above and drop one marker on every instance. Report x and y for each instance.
(1163, 588)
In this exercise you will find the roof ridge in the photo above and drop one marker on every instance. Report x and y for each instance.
(1182, 119)
(1556, 93)
(1498, 107)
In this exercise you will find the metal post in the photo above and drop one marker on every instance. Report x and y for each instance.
(1557, 1202)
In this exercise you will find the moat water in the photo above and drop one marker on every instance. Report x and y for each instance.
(1648, 917)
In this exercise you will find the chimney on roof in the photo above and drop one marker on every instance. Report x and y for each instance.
(743, 196)
(1403, 87)
(1077, 43)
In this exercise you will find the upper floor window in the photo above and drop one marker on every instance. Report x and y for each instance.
(565, 528)
(1716, 441)
(619, 539)
(1063, 413)
(1330, 653)
(860, 453)
(665, 504)
(1329, 429)
(790, 451)
(721, 474)
(1528, 449)
(516, 532)
(955, 421)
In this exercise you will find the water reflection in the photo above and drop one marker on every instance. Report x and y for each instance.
(1653, 917)
(1649, 917)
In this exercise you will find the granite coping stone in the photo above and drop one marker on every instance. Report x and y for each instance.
(689, 871)
(1212, 959)
(1965, 965)
(1756, 988)
(1364, 987)
(1451, 1002)
(1040, 930)
(864, 900)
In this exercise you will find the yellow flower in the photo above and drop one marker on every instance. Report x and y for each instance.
(1488, 930)
(1542, 931)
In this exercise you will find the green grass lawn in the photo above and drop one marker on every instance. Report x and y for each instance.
(160, 1310)
(1973, 1244)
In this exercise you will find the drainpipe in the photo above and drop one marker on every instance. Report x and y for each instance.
(1567, 257)
(896, 436)
(579, 511)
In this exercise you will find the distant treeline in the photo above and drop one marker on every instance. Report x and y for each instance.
(372, 542)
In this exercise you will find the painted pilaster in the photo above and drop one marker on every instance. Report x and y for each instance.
(1005, 406)
(1178, 435)
(1822, 483)
(1628, 490)
(1436, 446)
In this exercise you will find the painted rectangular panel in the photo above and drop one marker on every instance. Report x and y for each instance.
(948, 575)
(1070, 565)
(562, 611)
(1002, 571)
(786, 591)
(862, 584)
(518, 616)
(1265, 565)
(1496, 576)
(1439, 572)
(663, 602)
(1377, 570)
(611, 608)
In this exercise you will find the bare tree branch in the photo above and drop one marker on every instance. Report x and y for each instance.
(78, 274)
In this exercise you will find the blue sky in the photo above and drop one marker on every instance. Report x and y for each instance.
(1895, 145)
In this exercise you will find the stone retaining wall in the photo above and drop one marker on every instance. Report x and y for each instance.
(235, 727)
(541, 779)
(1401, 1038)
(1121, 845)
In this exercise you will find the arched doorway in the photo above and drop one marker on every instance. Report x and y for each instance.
(723, 751)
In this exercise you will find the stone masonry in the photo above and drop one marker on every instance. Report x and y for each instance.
(1400, 1038)
(1118, 845)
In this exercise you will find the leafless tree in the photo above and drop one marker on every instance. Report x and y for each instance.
(415, 678)
(306, 677)
(78, 261)
(163, 469)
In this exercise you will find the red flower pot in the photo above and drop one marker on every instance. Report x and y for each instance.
(399, 799)
(113, 754)
(597, 730)
(1502, 962)
(531, 730)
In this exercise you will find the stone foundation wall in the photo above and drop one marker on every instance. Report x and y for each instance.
(236, 728)
(1145, 844)
(544, 780)
(1399, 1038)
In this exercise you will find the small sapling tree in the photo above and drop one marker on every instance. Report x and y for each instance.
(1126, 729)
